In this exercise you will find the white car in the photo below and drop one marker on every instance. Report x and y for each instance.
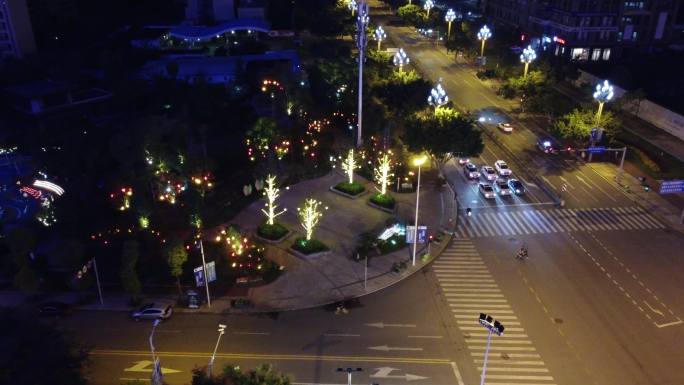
(488, 173)
(502, 168)
(153, 311)
(502, 187)
(487, 191)
(463, 161)
(505, 127)
(470, 171)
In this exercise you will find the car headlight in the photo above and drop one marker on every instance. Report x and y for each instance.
(518, 191)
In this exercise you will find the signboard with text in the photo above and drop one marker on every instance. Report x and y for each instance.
(672, 186)
(422, 234)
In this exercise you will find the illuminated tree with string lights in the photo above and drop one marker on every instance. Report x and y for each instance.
(383, 173)
(349, 165)
(272, 193)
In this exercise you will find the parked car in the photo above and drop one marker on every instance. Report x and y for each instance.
(505, 127)
(470, 171)
(516, 186)
(153, 311)
(54, 309)
(502, 187)
(487, 191)
(488, 173)
(502, 168)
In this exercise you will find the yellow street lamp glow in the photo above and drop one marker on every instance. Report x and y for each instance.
(419, 161)
(428, 6)
(483, 35)
(527, 56)
(604, 93)
(449, 17)
(352, 6)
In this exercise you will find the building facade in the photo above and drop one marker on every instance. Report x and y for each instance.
(595, 30)
(16, 34)
(208, 12)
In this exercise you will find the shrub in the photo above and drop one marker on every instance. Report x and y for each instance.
(387, 201)
(393, 243)
(646, 160)
(272, 232)
(309, 247)
(350, 188)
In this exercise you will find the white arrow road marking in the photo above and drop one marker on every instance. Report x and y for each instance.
(669, 324)
(383, 325)
(146, 366)
(384, 372)
(386, 348)
(660, 313)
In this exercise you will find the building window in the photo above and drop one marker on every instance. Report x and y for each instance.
(606, 54)
(634, 35)
(579, 54)
(596, 54)
(619, 36)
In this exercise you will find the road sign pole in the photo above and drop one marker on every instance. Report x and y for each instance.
(97, 280)
(484, 364)
(365, 272)
(622, 165)
(204, 269)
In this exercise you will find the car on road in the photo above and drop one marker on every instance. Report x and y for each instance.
(547, 146)
(488, 173)
(516, 186)
(487, 191)
(153, 311)
(505, 127)
(462, 160)
(54, 309)
(502, 168)
(470, 171)
(502, 187)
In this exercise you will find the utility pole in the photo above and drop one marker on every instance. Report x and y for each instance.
(361, 43)
(204, 270)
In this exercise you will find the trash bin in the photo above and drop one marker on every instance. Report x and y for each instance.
(194, 299)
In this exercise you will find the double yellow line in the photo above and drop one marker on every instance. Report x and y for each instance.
(273, 357)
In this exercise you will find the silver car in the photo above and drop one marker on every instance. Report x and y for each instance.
(153, 311)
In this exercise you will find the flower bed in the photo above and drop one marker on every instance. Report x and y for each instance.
(352, 189)
(272, 232)
(309, 247)
(386, 201)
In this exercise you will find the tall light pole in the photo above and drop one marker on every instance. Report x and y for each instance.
(349, 372)
(449, 18)
(527, 56)
(221, 331)
(418, 162)
(603, 94)
(494, 327)
(379, 35)
(483, 35)
(156, 372)
(361, 43)
(352, 6)
(438, 96)
(400, 59)
(428, 6)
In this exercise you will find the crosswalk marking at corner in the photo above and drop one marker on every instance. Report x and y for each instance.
(469, 289)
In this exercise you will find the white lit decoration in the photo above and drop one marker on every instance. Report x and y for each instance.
(383, 173)
(603, 94)
(379, 35)
(449, 18)
(438, 96)
(527, 56)
(49, 186)
(349, 165)
(483, 35)
(309, 215)
(428, 6)
(272, 193)
(400, 59)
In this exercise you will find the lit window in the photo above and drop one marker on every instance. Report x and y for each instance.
(634, 35)
(606, 54)
(596, 54)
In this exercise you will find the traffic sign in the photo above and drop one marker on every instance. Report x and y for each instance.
(672, 186)
(199, 276)
(422, 234)
(211, 271)
(595, 150)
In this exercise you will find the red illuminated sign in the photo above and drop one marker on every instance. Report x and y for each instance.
(559, 40)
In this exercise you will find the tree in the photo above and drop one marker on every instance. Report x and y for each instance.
(349, 164)
(383, 173)
(176, 257)
(412, 14)
(577, 125)
(442, 135)
(34, 352)
(272, 192)
(404, 92)
(309, 215)
(263, 138)
(128, 273)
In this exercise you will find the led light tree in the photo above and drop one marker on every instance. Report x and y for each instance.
(383, 173)
(309, 215)
(483, 35)
(527, 56)
(379, 35)
(604, 93)
(449, 18)
(272, 193)
(400, 59)
(438, 96)
(428, 6)
(349, 165)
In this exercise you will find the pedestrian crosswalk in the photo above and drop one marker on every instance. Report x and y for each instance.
(470, 289)
(520, 222)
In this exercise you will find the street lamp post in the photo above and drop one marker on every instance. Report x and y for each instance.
(221, 331)
(527, 56)
(156, 372)
(494, 327)
(352, 6)
(428, 6)
(449, 18)
(361, 43)
(400, 59)
(418, 162)
(379, 35)
(349, 372)
(438, 96)
(483, 35)
(603, 94)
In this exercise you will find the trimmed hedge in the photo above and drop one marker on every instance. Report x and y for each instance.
(309, 247)
(272, 232)
(350, 188)
(387, 201)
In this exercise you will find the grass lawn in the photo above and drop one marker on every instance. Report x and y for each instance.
(350, 188)
(272, 232)
(670, 167)
(309, 247)
(387, 201)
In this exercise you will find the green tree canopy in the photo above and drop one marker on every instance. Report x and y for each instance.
(577, 124)
(442, 135)
(403, 92)
(176, 257)
(412, 14)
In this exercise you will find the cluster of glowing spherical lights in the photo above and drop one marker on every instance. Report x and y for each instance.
(125, 193)
(202, 181)
(239, 245)
(171, 191)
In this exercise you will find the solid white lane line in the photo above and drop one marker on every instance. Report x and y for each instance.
(341, 335)
(433, 337)
(508, 369)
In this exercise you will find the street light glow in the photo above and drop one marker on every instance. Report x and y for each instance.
(400, 59)
(428, 6)
(527, 56)
(419, 161)
(483, 35)
(449, 17)
(352, 6)
(379, 35)
(438, 96)
(604, 92)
